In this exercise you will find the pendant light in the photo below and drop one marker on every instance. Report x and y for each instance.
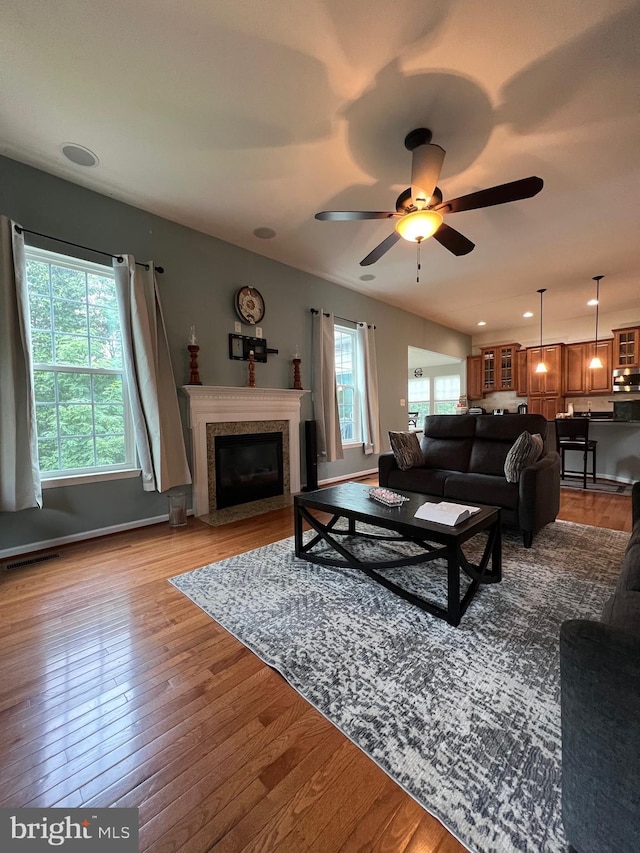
(595, 361)
(541, 367)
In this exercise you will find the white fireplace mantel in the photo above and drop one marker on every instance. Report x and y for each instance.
(210, 404)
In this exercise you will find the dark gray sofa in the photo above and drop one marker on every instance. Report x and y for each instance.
(600, 701)
(463, 460)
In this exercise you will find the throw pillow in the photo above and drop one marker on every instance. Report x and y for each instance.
(523, 452)
(406, 449)
(538, 440)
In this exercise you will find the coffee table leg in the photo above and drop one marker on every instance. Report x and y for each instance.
(297, 527)
(453, 586)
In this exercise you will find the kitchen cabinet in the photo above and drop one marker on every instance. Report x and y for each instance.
(522, 385)
(474, 377)
(600, 380)
(626, 347)
(548, 407)
(549, 384)
(579, 378)
(499, 367)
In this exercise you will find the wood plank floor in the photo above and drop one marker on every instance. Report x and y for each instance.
(115, 690)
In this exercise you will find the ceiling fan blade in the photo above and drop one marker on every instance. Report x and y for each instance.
(425, 172)
(514, 191)
(380, 249)
(346, 215)
(453, 240)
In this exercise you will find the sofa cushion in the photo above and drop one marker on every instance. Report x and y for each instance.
(482, 489)
(426, 481)
(629, 578)
(622, 611)
(524, 452)
(508, 427)
(447, 441)
(406, 449)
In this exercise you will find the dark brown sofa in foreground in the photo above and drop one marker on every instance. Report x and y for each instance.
(463, 459)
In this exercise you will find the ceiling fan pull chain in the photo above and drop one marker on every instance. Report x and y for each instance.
(418, 264)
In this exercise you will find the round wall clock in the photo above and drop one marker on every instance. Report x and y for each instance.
(250, 305)
(417, 371)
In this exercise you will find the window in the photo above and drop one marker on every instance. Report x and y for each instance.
(83, 419)
(419, 396)
(446, 394)
(346, 379)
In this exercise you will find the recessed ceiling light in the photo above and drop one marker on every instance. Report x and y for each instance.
(264, 233)
(79, 155)
(481, 323)
(592, 302)
(367, 277)
(528, 314)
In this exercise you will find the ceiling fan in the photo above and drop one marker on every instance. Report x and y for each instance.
(420, 209)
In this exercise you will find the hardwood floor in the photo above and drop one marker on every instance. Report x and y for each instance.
(115, 690)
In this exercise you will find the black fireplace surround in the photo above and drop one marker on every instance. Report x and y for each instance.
(248, 468)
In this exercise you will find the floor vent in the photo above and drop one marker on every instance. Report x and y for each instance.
(20, 564)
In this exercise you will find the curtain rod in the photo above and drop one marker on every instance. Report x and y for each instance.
(344, 319)
(22, 230)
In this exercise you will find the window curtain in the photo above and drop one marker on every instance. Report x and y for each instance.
(20, 486)
(152, 391)
(368, 384)
(325, 396)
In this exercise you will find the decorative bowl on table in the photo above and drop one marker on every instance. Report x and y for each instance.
(386, 496)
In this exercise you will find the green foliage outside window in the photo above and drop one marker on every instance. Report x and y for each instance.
(81, 410)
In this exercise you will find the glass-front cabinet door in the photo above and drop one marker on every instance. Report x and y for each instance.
(626, 350)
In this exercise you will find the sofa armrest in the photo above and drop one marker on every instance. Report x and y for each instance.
(600, 709)
(539, 489)
(386, 464)
(635, 502)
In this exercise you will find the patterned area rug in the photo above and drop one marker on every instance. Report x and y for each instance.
(467, 719)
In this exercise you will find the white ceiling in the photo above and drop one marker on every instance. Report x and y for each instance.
(230, 115)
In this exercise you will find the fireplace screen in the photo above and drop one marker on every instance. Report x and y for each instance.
(248, 468)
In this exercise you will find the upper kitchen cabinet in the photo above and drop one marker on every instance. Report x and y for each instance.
(474, 377)
(498, 365)
(626, 347)
(547, 384)
(579, 378)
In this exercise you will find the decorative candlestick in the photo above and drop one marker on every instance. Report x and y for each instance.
(252, 370)
(194, 378)
(297, 381)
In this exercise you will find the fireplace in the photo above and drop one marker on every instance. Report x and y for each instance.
(248, 468)
(215, 411)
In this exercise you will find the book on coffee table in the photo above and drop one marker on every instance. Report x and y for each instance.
(445, 513)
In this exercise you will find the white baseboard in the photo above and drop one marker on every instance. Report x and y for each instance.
(344, 477)
(47, 544)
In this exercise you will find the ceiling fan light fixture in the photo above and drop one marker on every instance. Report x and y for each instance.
(418, 225)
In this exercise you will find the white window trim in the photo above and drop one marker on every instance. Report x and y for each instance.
(96, 477)
(351, 443)
(55, 479)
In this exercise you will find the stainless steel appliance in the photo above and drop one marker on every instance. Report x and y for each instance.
(626, 379)
(523, 409)
(501, 411)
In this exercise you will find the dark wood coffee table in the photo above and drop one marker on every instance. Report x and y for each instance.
(351, 501)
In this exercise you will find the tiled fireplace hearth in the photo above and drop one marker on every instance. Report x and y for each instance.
(218, 410)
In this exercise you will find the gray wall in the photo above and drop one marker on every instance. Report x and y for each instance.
(198, 287)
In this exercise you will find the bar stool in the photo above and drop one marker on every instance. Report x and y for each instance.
(573, 434)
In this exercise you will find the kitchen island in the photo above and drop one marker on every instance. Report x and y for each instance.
(618, 452)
